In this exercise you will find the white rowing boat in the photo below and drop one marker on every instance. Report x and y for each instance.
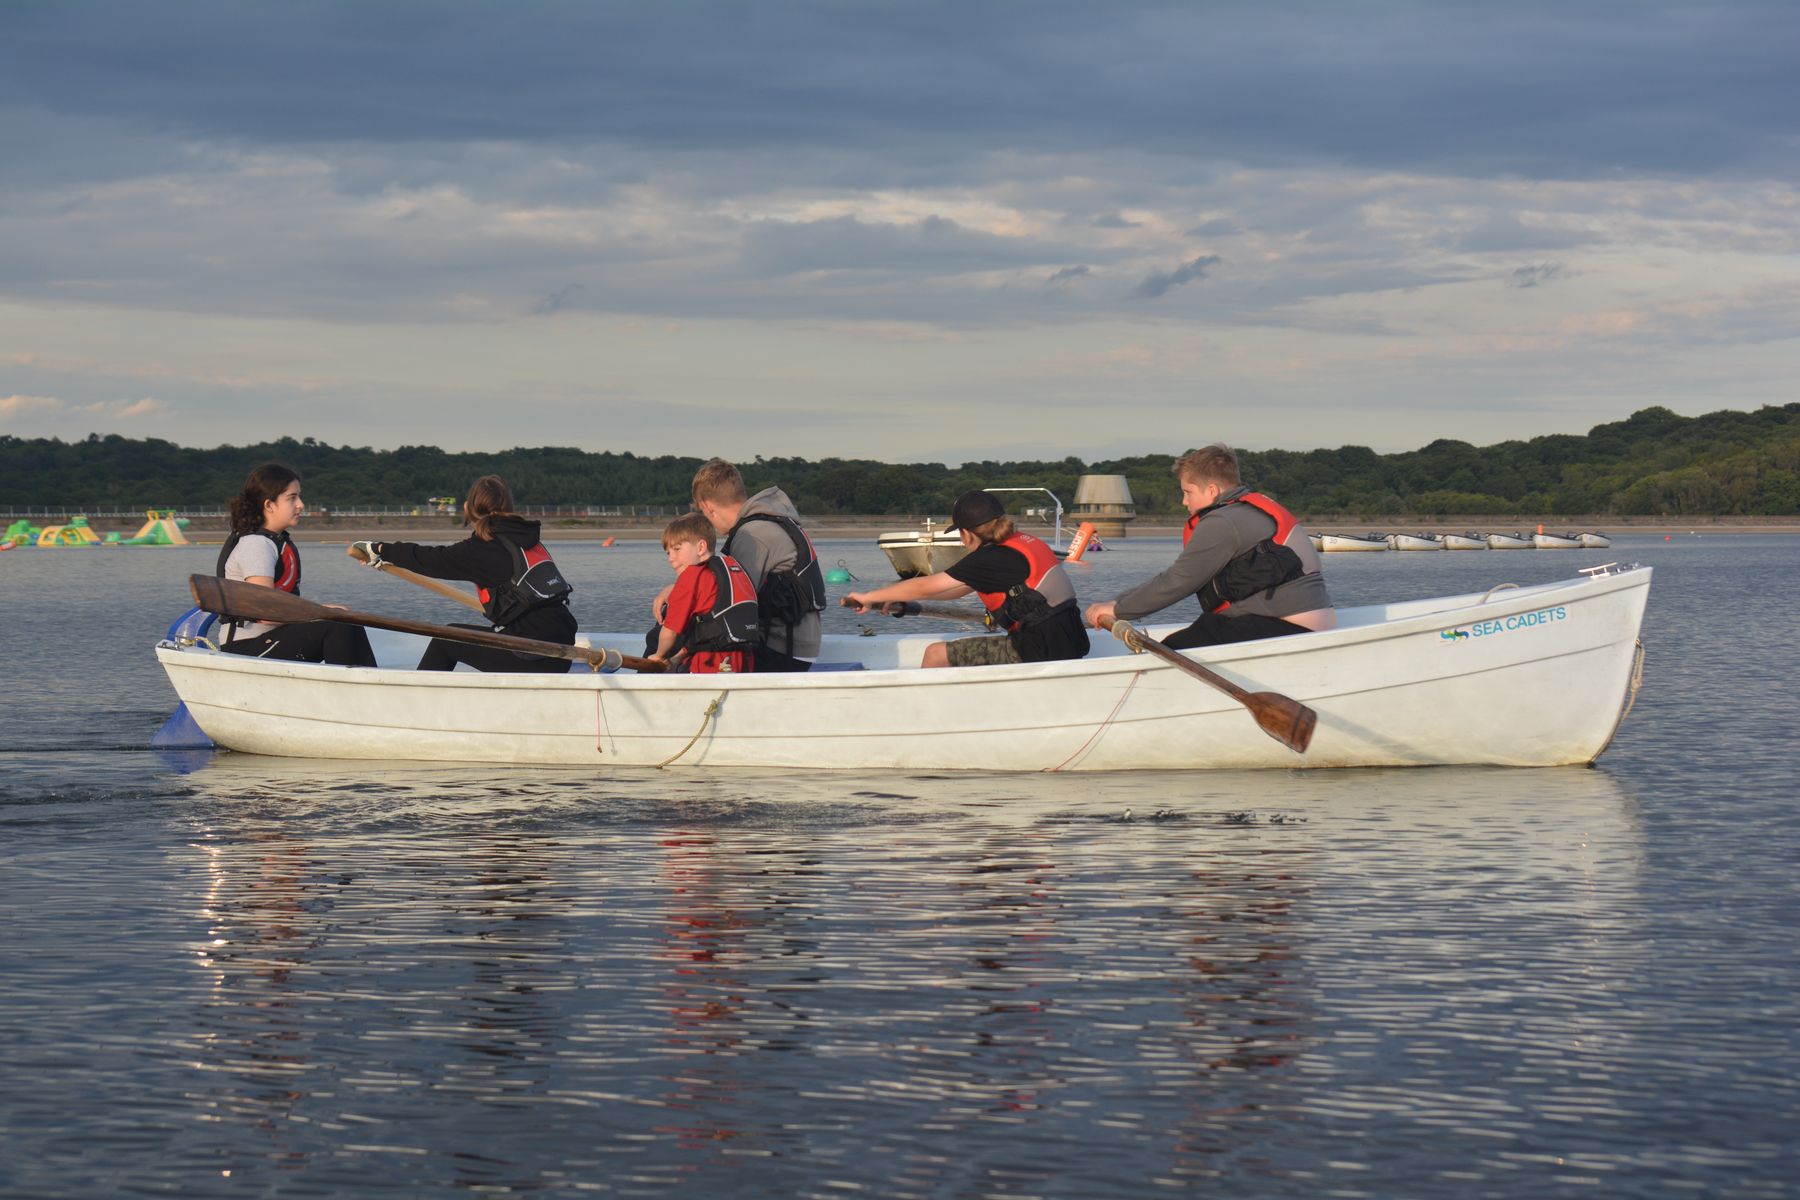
(1594, 541)
(1465, 541)
(1350, 543)
(1556, 541)
(1414, 541)
(1534, 676)
(1508, 541)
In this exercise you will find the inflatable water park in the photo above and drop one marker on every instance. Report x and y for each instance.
(160, 528)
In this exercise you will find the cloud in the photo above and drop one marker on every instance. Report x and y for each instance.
(17, 405)
(1158, 283)
(1532, 276)
(934, 245)
(123, 410)
(1067, 274)
(1114, 221)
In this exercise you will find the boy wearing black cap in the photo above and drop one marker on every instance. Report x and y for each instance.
(1020, 581)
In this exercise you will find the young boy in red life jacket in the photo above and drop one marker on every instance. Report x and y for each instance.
(709, 623)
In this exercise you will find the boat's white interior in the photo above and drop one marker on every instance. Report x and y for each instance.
(884, 650)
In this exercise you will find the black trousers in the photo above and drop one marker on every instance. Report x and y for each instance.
(443, 656)
(1215, 629)
(768, 661)
(309, 641)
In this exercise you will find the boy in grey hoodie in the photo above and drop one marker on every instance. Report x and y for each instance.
(763, 533)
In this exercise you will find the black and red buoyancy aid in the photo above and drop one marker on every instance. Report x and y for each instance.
(287, 559)
(287, 567)
(1264, 566)
(732, 624)
(1045, 592)
(535, 583)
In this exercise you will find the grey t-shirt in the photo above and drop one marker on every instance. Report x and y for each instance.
(1221, 536)
(254, 555)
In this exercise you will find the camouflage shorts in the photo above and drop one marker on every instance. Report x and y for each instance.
(981, 651)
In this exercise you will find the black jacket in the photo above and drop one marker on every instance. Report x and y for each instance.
(487, 565)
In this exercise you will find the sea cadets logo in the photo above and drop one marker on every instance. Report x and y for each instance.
(1512, 624)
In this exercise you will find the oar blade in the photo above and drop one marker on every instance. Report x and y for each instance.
(238, 601)
(1285, 719)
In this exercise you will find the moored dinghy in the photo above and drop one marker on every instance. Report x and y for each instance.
(1509, 541)
(1556, 541)
(1549, 668)
(1414, 541)
(1343, 543)
(1465, 541)
(1594, 541)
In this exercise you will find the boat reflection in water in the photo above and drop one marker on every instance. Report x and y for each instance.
(424, 979)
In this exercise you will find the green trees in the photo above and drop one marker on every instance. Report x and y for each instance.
(1654, 462)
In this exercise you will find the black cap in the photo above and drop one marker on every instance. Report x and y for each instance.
(975, 508)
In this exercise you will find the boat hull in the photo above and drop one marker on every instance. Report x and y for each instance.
(1595, 541)
(1525, 677)
(1508, 541)
(1343, 543)
(1414, 541)
(916, 554)
(1464, 541)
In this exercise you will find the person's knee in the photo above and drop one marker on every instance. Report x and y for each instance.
(936, 655)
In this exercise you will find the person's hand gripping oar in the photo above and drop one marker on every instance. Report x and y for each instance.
(364, 553)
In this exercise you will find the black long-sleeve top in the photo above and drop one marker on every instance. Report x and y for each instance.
(487, 564)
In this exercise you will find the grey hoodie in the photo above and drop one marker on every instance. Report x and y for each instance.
(763, 546)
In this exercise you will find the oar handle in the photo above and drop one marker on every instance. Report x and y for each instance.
(239, 601)
(912, 608)
(424, 581)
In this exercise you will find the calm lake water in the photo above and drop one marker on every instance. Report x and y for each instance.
(259, 977)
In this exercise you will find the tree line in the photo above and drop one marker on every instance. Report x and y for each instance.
(1653, 463)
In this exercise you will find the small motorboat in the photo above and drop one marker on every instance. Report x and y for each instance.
(1343, 543)
(1556, 541)
(1509, 541)
(1317, 539)
(921, 551)
(1594, 541)
(1414, 541)
(1465, 541)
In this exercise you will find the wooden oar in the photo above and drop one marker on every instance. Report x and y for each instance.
(1283, 718)
(912, 608)
(238, 601)
(424, 581)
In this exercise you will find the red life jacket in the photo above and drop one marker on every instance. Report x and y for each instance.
(535, 583)
(732, 623)
(1263, 567)
(1046, 589)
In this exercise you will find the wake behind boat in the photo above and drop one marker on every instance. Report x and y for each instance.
(1536, 676)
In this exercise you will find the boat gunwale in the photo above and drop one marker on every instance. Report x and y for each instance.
(1229, 660)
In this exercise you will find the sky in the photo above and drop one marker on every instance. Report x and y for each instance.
(915, 231)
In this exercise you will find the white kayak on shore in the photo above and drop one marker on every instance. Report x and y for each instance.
(1533, 676)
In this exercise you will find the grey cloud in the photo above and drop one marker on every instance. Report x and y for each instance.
(1536, 89)
(1158, 283)
(934, 245)
(1066, 274)
(1114, 221)
(1534, 275)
